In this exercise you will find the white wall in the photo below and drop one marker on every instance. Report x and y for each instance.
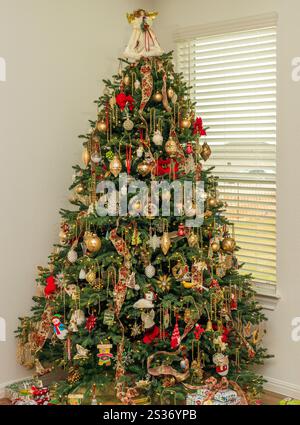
(283, 370)
(56, 52)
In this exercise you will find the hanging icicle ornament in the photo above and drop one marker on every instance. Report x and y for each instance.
(165, 242)
(86, 156)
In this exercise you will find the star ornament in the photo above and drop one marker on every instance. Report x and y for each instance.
(164, 283)
(154, 242)
(135, 330)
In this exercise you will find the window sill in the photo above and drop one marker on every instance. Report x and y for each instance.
(267, 295)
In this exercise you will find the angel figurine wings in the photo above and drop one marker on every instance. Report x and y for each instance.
(143, 41)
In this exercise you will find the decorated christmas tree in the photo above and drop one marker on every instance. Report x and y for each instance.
(143, 294)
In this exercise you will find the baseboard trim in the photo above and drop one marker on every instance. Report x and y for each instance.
(14, 381)
(282, 387)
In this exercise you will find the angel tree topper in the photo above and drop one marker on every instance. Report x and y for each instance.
(143, 41)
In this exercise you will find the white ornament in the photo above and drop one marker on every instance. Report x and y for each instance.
(154, 242)
(137, 84)
(139, 151)
(150, 271)
(82, 274)
(82, 353)
(128, 124)
(96, 157)
(157, 138)
(72, 256)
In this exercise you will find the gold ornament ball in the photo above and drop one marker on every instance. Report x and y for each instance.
(79, 189)
(215, 246)
(171, 147)
(157, 97)
(115, 166)
(90, 276)
(126, 80)
(101, 126)
(86, 157)
(228, 244)
(185, 123)
(144, 168)
(170, 93)
(212, 202)
(93, 243)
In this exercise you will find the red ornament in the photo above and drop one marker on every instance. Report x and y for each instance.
(181, 230)
(189, 148)
(198, 331)
(90, 322)
(151, 334)
(175, 338)
(214, 283)
(198, 127)
(122, 100)
(50, 288)
(165, 166)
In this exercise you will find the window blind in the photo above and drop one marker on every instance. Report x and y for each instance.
(233, 79)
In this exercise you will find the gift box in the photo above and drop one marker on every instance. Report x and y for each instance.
(226, 396)
(21, 389)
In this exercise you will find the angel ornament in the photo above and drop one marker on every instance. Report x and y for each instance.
(143, 41)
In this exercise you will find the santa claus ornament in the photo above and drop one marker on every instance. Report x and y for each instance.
(222, 364)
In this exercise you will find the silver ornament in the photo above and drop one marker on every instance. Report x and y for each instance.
(150, 271)
(72, 256)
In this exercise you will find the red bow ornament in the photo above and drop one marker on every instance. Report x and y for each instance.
(198, 127)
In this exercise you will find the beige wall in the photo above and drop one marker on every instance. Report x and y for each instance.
(283, 369)
(56, 52)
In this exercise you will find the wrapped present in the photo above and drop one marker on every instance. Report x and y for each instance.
(75, 399)
(226, 396)
(21, 388)
(24, 401)
(40, 395)
(216, 393)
